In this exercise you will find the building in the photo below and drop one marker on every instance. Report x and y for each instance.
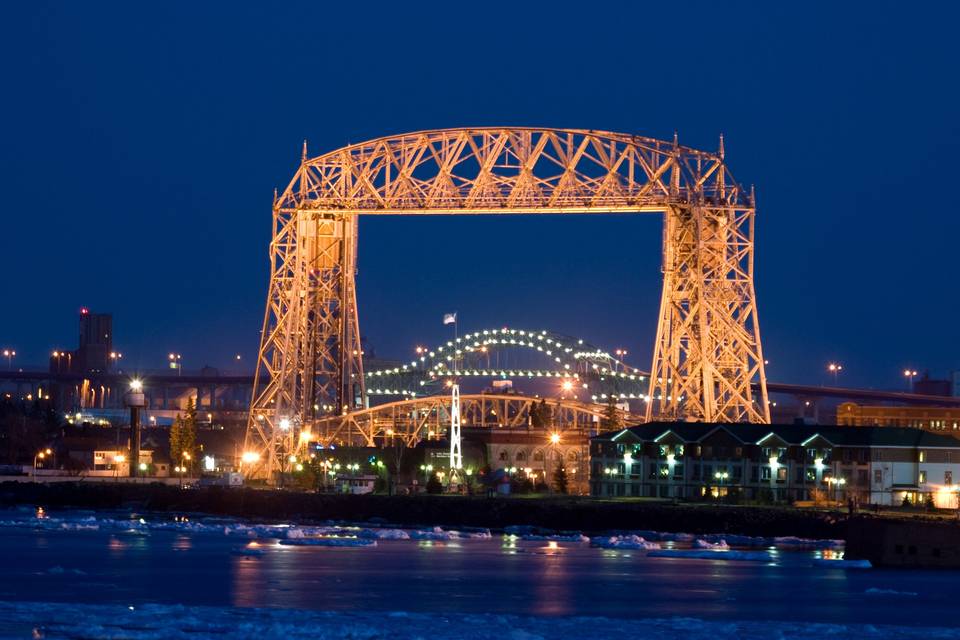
(536, 454)
(776, 463)
(96, 343)
(938, 419)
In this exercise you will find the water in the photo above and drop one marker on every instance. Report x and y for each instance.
(498, 575)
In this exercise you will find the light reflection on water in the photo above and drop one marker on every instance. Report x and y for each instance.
(503, 574)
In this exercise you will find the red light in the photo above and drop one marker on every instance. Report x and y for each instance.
(84, 311)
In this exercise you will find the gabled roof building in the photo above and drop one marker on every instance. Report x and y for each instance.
(776, 463)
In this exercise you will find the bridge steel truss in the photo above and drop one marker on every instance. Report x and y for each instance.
(707, 349)
(407, 422)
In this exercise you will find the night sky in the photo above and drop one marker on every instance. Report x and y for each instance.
(141, 146)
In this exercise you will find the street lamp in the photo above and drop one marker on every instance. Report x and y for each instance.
(910, 374)
(621, 354)
(9, 354)
(175, 362)
(835, 368)
(720, 476)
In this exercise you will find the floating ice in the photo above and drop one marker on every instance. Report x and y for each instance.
(560, 537)
(67, 620)
(383, 534)
(710, 554)
(719, 545)
(623, 542)
(874, 591)
(328, 542)
(842, 564)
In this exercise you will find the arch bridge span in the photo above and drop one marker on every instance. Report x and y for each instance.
(407, 422)
(707, 351)
(477, 355)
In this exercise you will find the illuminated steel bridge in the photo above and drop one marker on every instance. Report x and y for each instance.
(708, 359)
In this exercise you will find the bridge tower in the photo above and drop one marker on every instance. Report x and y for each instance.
(707, 351)
(310, 363)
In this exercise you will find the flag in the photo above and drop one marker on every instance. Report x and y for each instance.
(450, 318)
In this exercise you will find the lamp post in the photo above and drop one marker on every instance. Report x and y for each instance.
(720, 476)
(136, 401)
(9, 354)
(176, 362)
(835, 368)
(910, 374)
(621, 356)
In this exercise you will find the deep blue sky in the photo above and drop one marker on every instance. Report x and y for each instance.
(141, 146)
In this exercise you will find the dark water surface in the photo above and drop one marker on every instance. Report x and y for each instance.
(467, 576)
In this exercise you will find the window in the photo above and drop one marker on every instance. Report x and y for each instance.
(782, 474)
(948, 477)
(635, 468)
(923, 456)
(678, 471)
(503, 455)
(811, 474)
(765, 474)
(923, 477)
(663, 451)
(811, 454)
(520, 456)
(678, 450)
(738, 452)
(708, 471)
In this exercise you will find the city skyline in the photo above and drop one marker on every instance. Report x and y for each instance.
(169, 223)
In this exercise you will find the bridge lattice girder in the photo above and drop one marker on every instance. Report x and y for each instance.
(428, 418)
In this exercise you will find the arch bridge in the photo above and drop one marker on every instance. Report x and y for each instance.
(707, 349)
(407, 422)
(586, 368)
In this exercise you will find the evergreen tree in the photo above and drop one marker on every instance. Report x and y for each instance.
(183, 436)
(540, 415)
(560, 479)
(612, 416)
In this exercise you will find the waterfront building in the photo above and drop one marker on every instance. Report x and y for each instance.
(938, 419)
(777, 463)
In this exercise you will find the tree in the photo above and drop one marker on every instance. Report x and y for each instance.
(612, 416)
(540, 414)
(183, 436)
(560, 479)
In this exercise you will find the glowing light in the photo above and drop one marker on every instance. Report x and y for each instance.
(554, 438)
(136, 385)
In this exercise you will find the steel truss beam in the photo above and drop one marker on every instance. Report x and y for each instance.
(408, 422)
(708, 347)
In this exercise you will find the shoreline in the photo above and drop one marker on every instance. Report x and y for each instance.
(588, 515)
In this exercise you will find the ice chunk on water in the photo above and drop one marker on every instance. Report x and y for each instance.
(719, 545)
(328, 542)
(842, 564)
(623, 542)
(712, 554)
